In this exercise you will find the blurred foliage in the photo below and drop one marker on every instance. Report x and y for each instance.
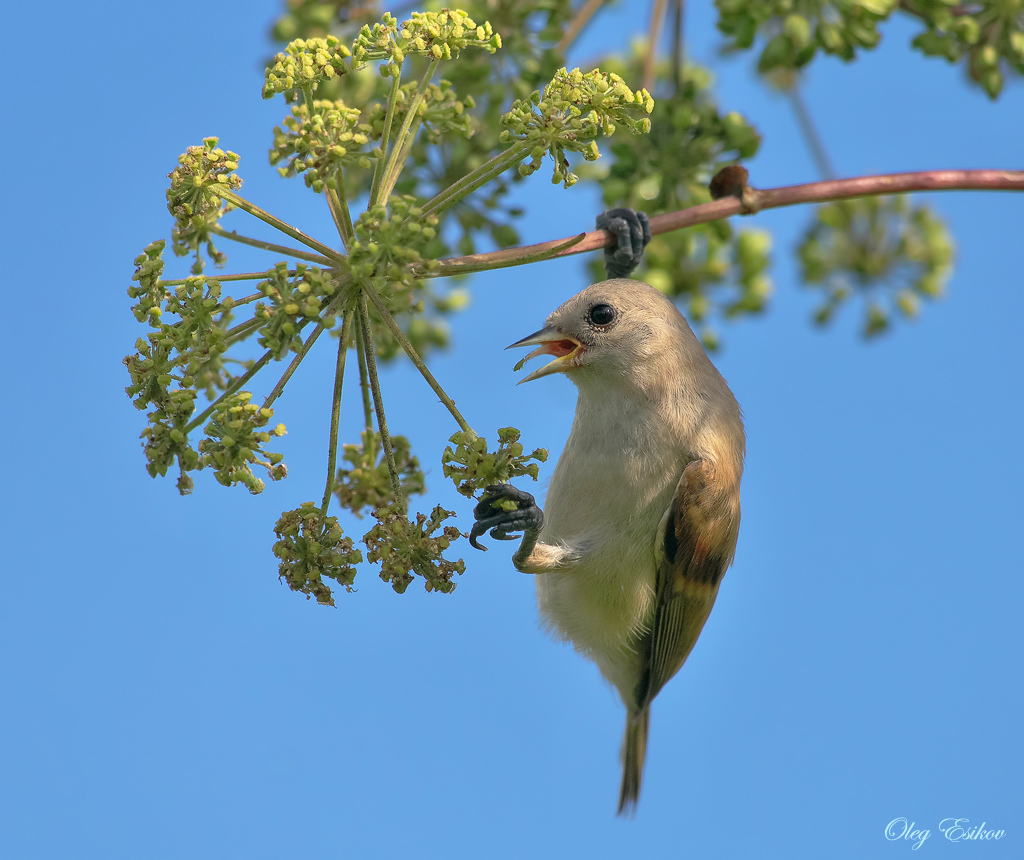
(366, 481)
(795, 30)
(883, 249)
(714, 270)
(988, 37)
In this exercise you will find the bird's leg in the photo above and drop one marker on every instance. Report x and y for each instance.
(526, 517)
(632, 232)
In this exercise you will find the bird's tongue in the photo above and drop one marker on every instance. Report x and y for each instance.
(557, 348)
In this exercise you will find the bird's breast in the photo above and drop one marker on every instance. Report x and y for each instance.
(611, 487)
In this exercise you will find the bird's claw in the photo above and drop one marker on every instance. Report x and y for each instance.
(632, 232)
(527, 517)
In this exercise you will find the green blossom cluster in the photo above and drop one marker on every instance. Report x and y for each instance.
(304, 64)
(715, 271)
(404, 547)
(177, 359)
(186, 351)
(195, 198)
(440, 110)
(312, 548)
(438, 35)
(389, 243)
(234, 443)
(318, 146)
(574, 109)
(297, 296)
(149, 266)
(989, 34)
(443, 35)
(796, 30)
(366, 482)
(472, 467)
(165, 438)
(391, 251)
(891, 253)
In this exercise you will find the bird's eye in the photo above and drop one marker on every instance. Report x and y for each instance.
(601, 314)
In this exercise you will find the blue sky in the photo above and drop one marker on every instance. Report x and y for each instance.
(165, 697)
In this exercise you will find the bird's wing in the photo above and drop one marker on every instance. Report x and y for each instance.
(699, 540)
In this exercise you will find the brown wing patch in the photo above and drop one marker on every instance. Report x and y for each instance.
(700, 540)
(702, 526)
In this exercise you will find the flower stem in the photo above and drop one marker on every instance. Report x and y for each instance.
(364, 384)
(284, 227)
(508, 257)
(366, 343)
(252, 297)
(394, 164)
(678, 44)
(476, 178)
(307, 344)
(242, 329)
(244, 276)
(307, 97)
(231, 389)
(338, 204)
(389, 118)
(410, 351)
(270, 246)
(339, 378)
(388, 184)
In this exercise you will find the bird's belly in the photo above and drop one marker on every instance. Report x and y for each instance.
(602, 604)
(605, 518)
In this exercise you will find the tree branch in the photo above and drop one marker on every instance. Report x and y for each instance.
(771, 198)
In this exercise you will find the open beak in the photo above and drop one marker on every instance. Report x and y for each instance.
(566, 351)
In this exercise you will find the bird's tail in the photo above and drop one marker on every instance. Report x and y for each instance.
(634, 750)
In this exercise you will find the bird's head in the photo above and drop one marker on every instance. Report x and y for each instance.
(614, 330)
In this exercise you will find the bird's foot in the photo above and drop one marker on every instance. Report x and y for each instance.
(632, 232)
(527, 516)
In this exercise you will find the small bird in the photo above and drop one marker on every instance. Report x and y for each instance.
(643, 511)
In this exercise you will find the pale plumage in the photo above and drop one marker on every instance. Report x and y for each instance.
(642, 514)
